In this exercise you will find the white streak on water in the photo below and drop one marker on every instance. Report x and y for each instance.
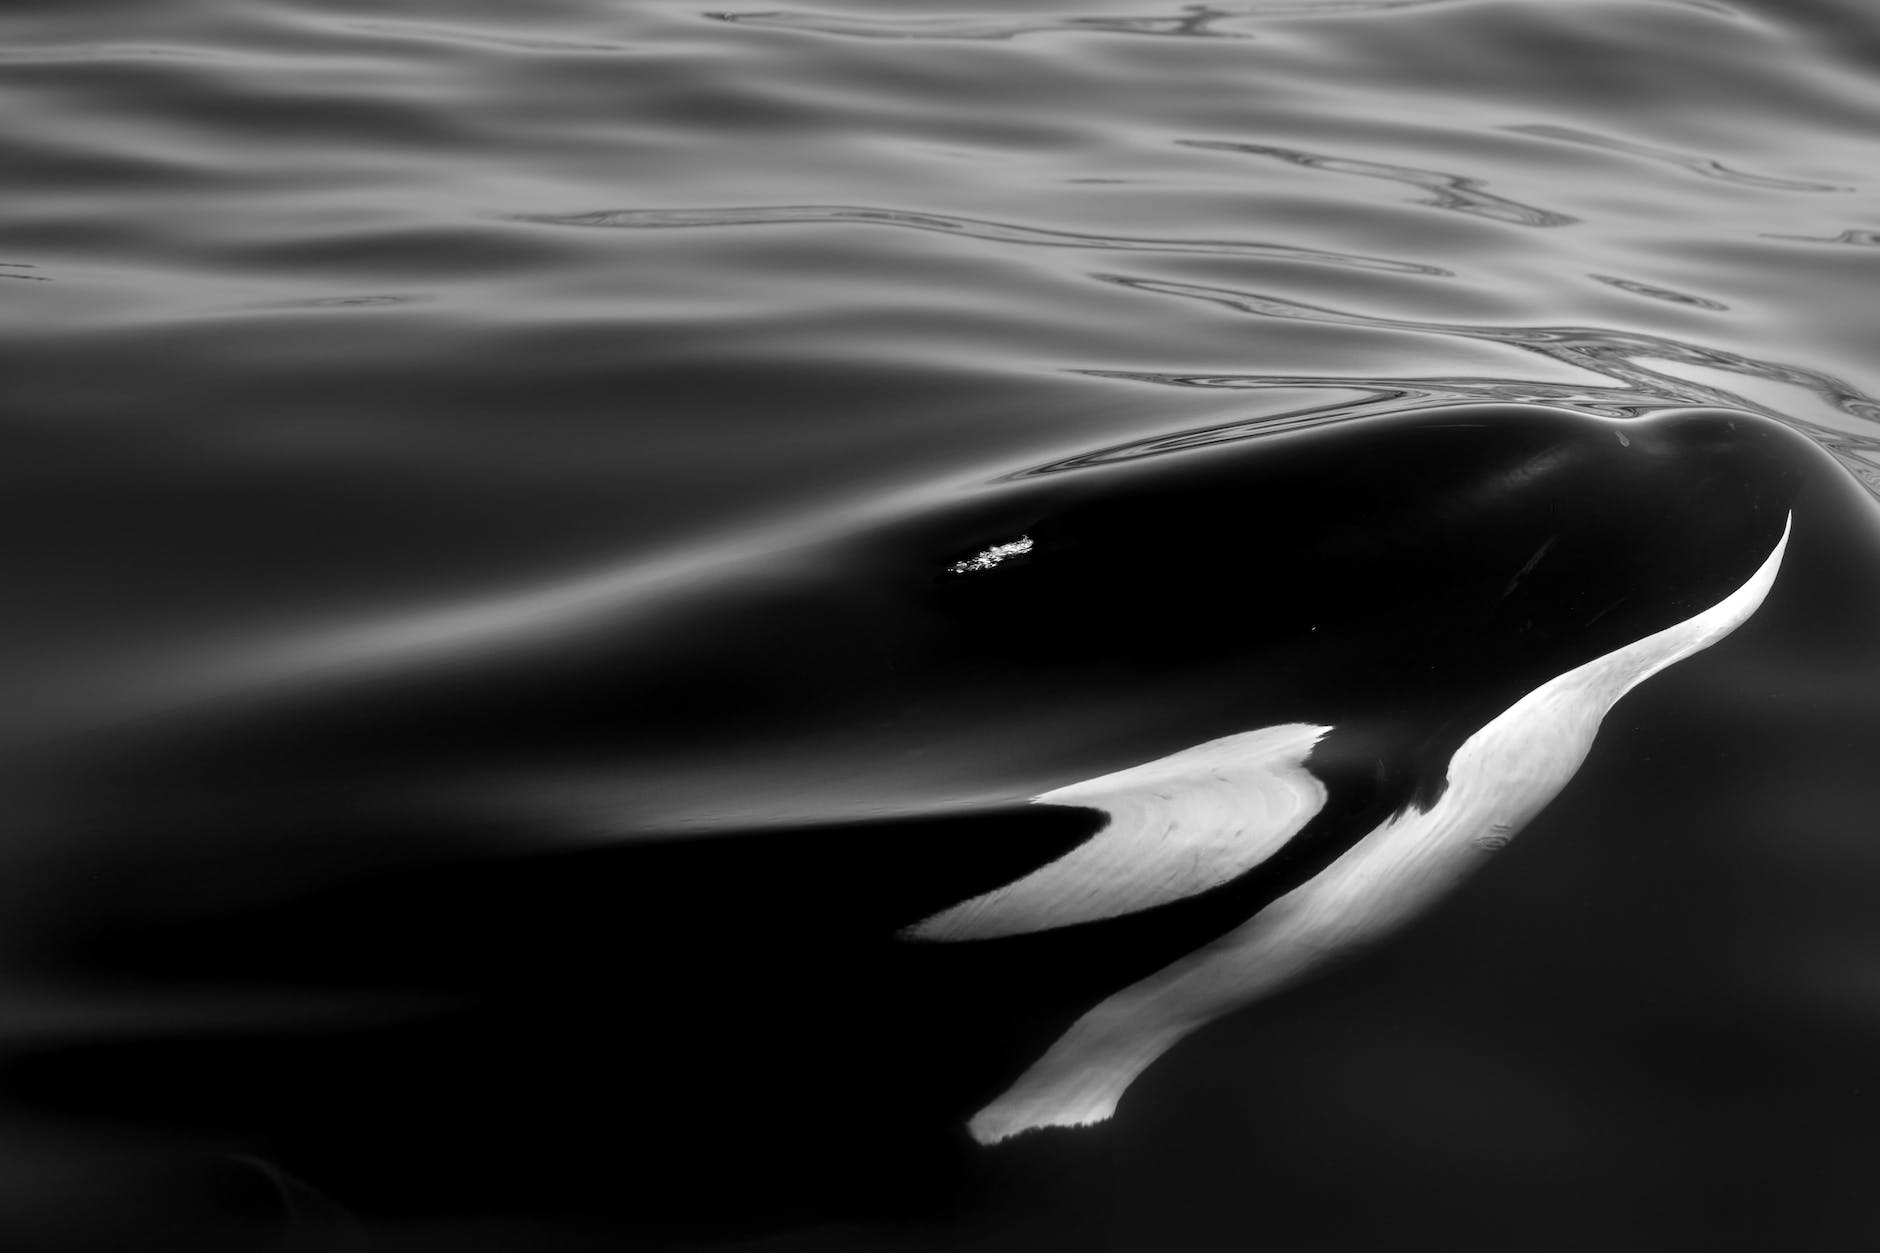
(1503, 776)
(992, 556)
(1178, 825)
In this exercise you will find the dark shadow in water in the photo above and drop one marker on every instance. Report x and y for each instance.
(970, 228)
(1697, 165)
(1194, 20)
(1447, 191)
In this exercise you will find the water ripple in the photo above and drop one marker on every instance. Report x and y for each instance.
(1657, 293)
(1858, 238)
(364, 301)
(428, 33)
(970, 228)
(1614, 354)
(1195, 20)
(1447, 191)
(1376, 396)
(1697, 165)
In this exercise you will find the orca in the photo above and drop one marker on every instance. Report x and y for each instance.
(1206, 815)
(685, 864)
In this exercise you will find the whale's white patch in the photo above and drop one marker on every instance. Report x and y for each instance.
(1499, 779)
(1178, 825)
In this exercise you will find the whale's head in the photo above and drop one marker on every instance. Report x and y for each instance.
(1400, 577)
(1410, 574)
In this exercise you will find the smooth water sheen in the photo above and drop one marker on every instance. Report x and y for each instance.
(346, 339)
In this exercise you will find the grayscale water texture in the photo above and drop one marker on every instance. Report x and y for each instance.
(335, 330)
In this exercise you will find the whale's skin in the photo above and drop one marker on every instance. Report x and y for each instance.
(644, 866)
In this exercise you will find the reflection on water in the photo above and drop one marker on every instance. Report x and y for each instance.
(1859, 238)
(373, 301)
(1705, 166)
(969, 228)
(1617, 355)
(1658, 293)
(456, 34)
(1193, 20)
(1450, 191)
(1375, 396)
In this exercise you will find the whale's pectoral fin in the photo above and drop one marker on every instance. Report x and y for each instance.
(1178, 825)
(1080, 1079)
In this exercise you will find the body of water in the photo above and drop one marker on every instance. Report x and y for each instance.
(540, 537)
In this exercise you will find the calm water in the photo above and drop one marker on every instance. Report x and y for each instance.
(344, 340)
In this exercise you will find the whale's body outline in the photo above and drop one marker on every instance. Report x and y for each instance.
(718, 961)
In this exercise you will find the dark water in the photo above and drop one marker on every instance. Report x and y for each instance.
(453, 454)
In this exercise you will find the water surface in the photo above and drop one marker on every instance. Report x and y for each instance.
(340, 334)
